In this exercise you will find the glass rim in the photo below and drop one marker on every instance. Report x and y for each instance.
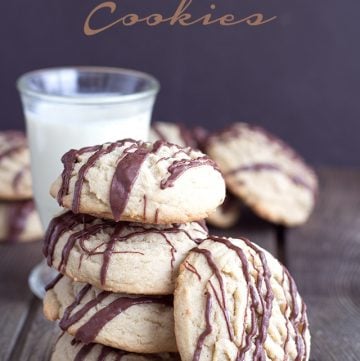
(24, 89)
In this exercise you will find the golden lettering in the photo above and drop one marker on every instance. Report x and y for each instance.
(180, 16)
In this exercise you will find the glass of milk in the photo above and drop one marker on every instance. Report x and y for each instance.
(74, 107)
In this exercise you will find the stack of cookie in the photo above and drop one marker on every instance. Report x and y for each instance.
(133, 237)
(135, 210)
(19, 221)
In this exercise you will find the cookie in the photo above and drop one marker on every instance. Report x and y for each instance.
(68, 349)
(267, 175)
(15, 177)
(234, 301)
(174, 133)
(226, 215)
(19, 222)
(128, 322)
(120, 256)
(129, 180)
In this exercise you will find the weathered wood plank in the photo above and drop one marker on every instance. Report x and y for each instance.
(324, 258)
(325, 252)
(335, 329)
(15, 297)
(37, 337)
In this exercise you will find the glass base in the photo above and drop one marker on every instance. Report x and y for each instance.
(39, 277)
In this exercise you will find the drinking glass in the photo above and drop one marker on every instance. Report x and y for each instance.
(74, 107)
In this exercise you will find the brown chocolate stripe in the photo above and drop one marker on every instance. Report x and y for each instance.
(17, 215)
(259, 320)
(88, 332)
(91, 227)
(258, 167)
(126, 172)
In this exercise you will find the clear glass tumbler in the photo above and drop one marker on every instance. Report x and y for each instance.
(73, 107)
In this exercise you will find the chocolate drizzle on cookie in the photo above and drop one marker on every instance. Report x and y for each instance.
(259, 302)
(126, 173)
(258, 167)
(89, 331)
(238, 130)
(131, 159)
(54, 282)
(83, 352)
(208, 328)
(82, 227)
(15, 141)
(104, 352)
(178, 167)
(18, 215)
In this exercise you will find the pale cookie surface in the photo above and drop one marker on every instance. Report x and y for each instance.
(129, 180)
(226, 215)
(19, 222)
(172, 133)
(68, 349)
(15, 177)
(127, 322)
(234, 301)
(120, 256)
(265, 173)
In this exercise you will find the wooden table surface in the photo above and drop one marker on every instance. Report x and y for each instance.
(323, 257)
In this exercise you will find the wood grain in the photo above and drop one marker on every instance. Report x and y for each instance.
(324, 259)
(15, 297)
(37, 337)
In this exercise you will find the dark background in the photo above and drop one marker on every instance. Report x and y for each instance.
(299, 75)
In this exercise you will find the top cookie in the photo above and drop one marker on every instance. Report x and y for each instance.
(15, 178)
(268, 175)
(130, 180)
(234, 301)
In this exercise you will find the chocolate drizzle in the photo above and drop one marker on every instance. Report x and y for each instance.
(15, 141)
(88, 332)
(257, 167)
(126, 173)
(106, 352)
(87, 226)
(192, 269)
(19, 176)
(83, 352)
(299, 324)
(18, 214)
(259, 302)
(222, 302)
(238, 130)
(178, 167)
(207, 331)
(54, 282)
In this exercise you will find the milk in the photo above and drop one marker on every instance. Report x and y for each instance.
(54, 128)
